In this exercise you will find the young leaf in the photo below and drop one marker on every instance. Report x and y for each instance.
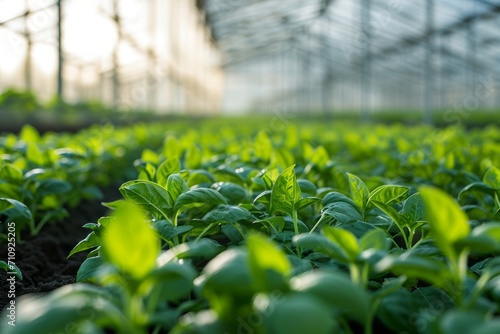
(426, 269)
(389, 194)
(166, 168)
(320, 243)
(170, 282)
(198, 197)
(374, 239)
(193, 158)
(307, 201)
(229, 214)
(263, 146)
(15, 210)
(345, 239)
(11, 268)
(492, 178)
(167, 231)
(88, 269)
(341, 212)
(447, 221)
(296, 313)
(413, 210)
(286, 191)
(359, 191)
(264, 255)
(129, 243)
(176, 186)
(92, 240)
(149, 195)
(337, 291)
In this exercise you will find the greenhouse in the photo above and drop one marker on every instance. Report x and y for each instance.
(249, 166)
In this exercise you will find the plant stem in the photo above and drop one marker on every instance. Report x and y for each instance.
(355, 274)
(204, 231)
(296, 229)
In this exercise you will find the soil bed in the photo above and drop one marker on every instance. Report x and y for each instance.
(42, 258)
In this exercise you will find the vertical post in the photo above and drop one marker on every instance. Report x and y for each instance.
(366, 70)
(29, 44)
(471, 57)
(116, 72)
(152, 84)
(443, 101)
(59, 51)
(428, 66)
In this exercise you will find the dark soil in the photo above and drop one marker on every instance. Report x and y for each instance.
(42, 258)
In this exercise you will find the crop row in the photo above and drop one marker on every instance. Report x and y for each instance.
(293, 230)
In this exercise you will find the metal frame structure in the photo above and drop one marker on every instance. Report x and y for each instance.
(366, 55)
(138, 85)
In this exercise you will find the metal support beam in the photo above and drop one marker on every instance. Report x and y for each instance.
(366, 68)
(471, 60)
(116, 65)
(60, 60)
(429, 63)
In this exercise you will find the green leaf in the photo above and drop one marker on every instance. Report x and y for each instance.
(447, 221)
(166, 168)
(413, 210)
(35, 155)
(389, 194)
(193, 158)
(88, 269)
(235, 194)
(167, 231)
(10, 173)
(172, 148)
(11, 268)
(67, 308)
(374, 239)
(320, 243)
(175, 186)
(198, 197)
(359, 191)
(390, 285)
(484, 239)
(307, 187)
(477, 186)
(341, 212)
(15, 211)
(227, 274)
(334, 197)
(307, 201)
(397, 310)
(264, 255)
(127, 234)
(320, 157)
(391, 212)
(337, 291)
(413, 266)
(468, 322)
(286, 191)
(148, 195)
(275, 223)
(345, 239)
(53, 186)
(229, 214)
(29, 134)
(169, 282)
(204, 248)
(294, 313)
(92, 240)
(492, 177)
(263, 146)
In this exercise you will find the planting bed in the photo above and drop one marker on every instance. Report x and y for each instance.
(258, 226)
